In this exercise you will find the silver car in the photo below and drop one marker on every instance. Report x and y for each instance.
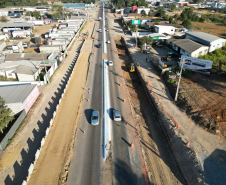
(95, 118)
(117, 115)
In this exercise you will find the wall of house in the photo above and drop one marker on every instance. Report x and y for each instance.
(2, 46)
(10, 74)
(26, 77)
(31, 99)
(199, 52)
(147, 10)
(217, 44)
(174, 47)
(183, 52)
(165, 29)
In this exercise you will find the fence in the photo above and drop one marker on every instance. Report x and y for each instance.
(11, 132)
(37, 154)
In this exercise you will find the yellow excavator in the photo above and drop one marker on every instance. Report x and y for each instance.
(132, 68)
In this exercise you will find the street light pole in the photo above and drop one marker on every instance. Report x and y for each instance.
(178, 85)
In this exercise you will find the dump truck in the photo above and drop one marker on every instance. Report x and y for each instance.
(132, 68)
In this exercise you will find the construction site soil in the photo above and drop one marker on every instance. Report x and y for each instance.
(160, 163)
(203, 99)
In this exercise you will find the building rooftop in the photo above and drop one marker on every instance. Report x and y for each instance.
(19, 63)
(152, 23)
(133, 15)
(2, 10)
(145, 18)
(6, 25)
(29, 70)
(163, 26)
(204, 36)
(187, 45)
(15, 93)
(26, 56)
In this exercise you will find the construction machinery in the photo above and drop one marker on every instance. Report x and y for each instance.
(132, 68)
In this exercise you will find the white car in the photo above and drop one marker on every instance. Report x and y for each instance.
(100, 30)
(107, 30)
(117, 115)
(108, 42)
(95, 118)
(110, 63)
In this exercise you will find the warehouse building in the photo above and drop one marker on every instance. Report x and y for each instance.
(19, 97)
(212, 41)
(188, 47)
(22, 25)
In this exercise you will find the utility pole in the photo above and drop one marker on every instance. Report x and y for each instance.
(136, 36)
(178, 85)
(47, 78)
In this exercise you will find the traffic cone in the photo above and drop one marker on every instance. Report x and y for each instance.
(124, 100)
(132, 145)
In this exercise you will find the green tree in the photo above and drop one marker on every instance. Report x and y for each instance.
(170, 20)
(201, 19)
(143, 40)
(57, 15)
(133, 28)
(172, 6)
(129, 23)
(187, 23)
(143, 12)
(3, 19)
(149, 13)
(176, 16)
(5, 114)
(197, 1)
(160, 12)
(36, 14)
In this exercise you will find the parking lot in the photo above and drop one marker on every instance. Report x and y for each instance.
(157, 52)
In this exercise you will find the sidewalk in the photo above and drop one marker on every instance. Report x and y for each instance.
(207, 147)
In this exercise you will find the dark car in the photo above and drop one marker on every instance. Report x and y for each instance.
(100, 45)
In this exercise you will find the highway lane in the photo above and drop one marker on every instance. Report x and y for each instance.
(127, 163)
(85, 167)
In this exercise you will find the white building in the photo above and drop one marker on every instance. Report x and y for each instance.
(139, 9)
(2, 46)
(3, 12)
(188, 47)
(164, 29)
(19, 97)
(212, 41)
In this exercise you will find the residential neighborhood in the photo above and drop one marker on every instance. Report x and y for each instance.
(113, 92)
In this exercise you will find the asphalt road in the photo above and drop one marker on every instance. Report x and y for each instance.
(85, 167)
(127, 163)
(87, 161)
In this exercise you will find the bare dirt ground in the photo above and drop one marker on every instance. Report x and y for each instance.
(39, 30)
(203, 99)
(211, 28)
(17, 157)
(160, 164)
(58, 144)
